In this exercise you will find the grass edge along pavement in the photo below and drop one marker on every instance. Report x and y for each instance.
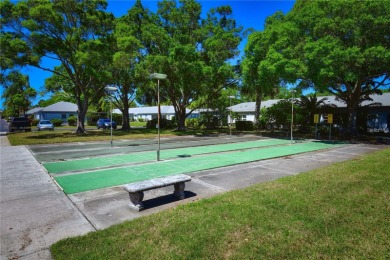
(337, 211)
(74, 183)
(123, 159)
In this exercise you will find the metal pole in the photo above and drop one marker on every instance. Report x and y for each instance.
(230, 118)
(292, 115)
(111, 121)
(158, 119)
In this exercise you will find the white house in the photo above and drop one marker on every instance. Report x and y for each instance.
(61, 110)
(378, 108)
(246, 111)
(149, 113)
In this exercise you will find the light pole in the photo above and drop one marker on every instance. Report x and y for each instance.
(111, 90)
(158, 76)
(230, 115)
(292, 113)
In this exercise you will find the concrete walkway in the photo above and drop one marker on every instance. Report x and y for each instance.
(35, 213)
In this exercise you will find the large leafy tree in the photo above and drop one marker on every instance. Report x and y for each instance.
(254, 70)
(127, 70)
(192, 51)
(70, 33)
(17, 94)
(338, 46)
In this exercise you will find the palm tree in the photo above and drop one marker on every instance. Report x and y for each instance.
(311, 105)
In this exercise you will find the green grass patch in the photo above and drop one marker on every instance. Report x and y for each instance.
(67, 135)
(339, 211)
(138, 124)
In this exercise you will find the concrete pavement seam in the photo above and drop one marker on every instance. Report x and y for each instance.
(216, 188)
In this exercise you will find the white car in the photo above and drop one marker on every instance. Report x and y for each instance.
(45, 125)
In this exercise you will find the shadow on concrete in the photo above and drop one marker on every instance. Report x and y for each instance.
(163, 200)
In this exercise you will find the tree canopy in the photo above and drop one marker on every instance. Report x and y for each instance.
(338, 46)
(192, 51)
(71, 33)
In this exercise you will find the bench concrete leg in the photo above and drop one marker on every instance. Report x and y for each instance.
(179, 190)
(136, 200)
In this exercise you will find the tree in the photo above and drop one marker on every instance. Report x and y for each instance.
(255, 68)
(279, 115)
(311, 105)
(17, 94)
(338, 46)
(193, 52)
(69, 32)
(127, 70)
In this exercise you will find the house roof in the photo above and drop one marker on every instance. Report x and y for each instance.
(250, 106)
(34, 110)
(61, 107)
(383, 99)
(150, 110)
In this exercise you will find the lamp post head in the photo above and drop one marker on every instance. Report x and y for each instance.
(158, 76)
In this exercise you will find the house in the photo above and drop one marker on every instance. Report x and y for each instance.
(149, 113)
(246, 111)
(378, 110)
(34, 112)
(61, 110)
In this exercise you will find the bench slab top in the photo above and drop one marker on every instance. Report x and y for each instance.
(156, 183)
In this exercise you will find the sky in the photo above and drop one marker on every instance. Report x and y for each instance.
(247, 13)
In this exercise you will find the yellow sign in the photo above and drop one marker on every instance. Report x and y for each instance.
(330, 118)
(316, 118)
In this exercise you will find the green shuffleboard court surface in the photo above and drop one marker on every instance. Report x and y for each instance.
(107, 161)
(73, 183)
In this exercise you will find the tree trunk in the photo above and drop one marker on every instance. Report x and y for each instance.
(258, 105)
(125, 114)
(181, 117)
(353, 106)
(83, 108)
(352, 121)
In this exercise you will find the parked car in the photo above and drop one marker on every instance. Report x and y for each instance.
(19, 123)
(105, 123)
(45, 125)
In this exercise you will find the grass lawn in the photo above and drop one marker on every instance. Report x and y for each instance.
(66, 135)
(339, 211)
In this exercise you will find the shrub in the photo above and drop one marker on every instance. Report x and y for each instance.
(140, 119)
(34, 122)
(72, 120)
(56, 122)
(244, 125)
(192, 122)
(118, 118)
(164, 124)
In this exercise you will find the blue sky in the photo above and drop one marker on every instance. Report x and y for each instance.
(249, 14)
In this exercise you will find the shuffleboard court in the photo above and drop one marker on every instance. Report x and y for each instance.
(117, 160)
(74, 183)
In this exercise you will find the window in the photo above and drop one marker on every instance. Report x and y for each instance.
(63, 116)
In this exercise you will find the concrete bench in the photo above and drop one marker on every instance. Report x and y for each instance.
(136, 189)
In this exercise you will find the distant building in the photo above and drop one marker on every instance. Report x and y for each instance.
(61, 110)
(149, 113)
(378, 110)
